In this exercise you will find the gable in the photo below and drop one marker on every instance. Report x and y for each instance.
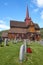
(31, 29)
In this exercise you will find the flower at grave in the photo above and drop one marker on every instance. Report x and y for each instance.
(29, 50)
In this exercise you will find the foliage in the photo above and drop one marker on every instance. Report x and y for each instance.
(3, 31)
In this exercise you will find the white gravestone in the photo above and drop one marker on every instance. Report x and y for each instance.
(6, 42)
(22, 52)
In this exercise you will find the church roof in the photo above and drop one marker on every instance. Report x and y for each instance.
(37, 26)
(17, 24)
(22, 24)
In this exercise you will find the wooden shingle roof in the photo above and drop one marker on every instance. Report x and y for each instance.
(37, 26)
(22, 24)
(17, 24)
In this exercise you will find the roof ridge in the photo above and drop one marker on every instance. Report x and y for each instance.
(16, 21)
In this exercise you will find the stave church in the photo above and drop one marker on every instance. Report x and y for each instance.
(26, 29)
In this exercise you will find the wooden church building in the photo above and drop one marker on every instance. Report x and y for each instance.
(24, 29)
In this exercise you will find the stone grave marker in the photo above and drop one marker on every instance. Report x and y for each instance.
(22, 52)
(25, 42)
(5, 42)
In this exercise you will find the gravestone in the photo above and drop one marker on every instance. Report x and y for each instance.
(6, 42)
(41, 42)
(25, 42)
(22, 52)
(15, 41)
(22, 55)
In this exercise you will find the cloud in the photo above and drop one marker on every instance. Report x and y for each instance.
(1, 21)
(38, 3)
(3, 26)
(4, 23)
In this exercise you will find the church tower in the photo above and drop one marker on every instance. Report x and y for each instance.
(27, 18)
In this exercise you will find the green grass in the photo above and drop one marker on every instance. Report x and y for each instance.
(9, 55)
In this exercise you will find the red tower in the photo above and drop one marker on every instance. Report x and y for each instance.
(27, 19)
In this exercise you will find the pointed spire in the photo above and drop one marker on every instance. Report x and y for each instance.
(27, 19)
(27, 13)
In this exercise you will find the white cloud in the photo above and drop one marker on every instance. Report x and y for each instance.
(38, 3)
(3, 26)
(1, 21)
(4, 23)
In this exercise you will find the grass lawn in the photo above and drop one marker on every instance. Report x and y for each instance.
(9, 55)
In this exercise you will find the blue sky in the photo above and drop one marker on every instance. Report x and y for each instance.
(16, 10)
